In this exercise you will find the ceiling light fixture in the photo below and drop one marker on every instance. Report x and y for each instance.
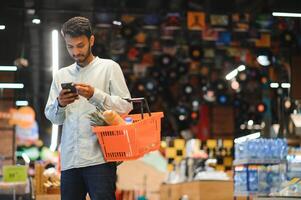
(8, 68)
(21, 103)
(117, 23)
(241, 68)
(36, 21)
(232, 74)
(274, 85)
(263, 60)
(55, 68)
(285, 14)
(11, 85)
(285, 85)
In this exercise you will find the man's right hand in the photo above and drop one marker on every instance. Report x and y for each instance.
(66, 97)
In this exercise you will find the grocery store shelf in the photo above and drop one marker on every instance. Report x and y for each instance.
(244, 193)
(277, 198)
(257, 161)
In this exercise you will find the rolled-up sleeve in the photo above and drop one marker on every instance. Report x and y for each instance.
(53, 111)
(118, 92)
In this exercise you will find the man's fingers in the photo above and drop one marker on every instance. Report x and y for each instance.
(82, 87)
(81, 84)
(68, 94)
(67, 101)
(64, 91)
(84, 90)
(69, 97)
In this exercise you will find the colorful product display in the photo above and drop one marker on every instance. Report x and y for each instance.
(260, 166)
(263, 149)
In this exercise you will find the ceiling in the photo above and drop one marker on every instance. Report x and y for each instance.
(15, 14)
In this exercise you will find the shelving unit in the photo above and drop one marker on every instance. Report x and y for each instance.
(7, 134)
(257, 162)
(251, 162)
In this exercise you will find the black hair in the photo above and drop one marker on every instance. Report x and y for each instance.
(77, 26)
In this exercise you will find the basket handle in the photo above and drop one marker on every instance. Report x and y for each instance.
(140, 100)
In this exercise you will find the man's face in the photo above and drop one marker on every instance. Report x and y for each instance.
(79, 48)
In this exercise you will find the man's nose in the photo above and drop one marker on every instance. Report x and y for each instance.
(75, 51)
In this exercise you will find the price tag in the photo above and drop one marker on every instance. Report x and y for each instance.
(14, 173)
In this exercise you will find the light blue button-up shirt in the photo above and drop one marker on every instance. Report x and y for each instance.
(79, 145)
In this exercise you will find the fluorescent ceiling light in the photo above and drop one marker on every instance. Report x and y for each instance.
(247, 137)
(241, 68)
(2, 27)
(55, 68)
(12, 85)
(118, 23)
(21, 103)
(263, 60)
(274, 85)
(36, 21)
(8, 68)
(232, 74)
(285, 85)
(55, 51)
(285, 14)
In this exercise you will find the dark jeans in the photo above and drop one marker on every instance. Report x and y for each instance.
(99, 181)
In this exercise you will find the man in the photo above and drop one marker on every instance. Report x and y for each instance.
(98, 82)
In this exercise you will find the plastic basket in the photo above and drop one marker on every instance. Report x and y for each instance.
(129, 142)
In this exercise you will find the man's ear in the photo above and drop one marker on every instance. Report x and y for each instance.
(92, 39)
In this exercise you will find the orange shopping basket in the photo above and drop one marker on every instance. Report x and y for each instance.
(131, 141)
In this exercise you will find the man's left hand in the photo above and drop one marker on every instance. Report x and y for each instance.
(84, 90)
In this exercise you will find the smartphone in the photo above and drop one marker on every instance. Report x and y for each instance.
(69, 86)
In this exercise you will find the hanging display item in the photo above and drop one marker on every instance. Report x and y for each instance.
(240, 22)
(172, 21)
(151, 21)
(169, 49)
(196, 21)
(219, 22)
(209, 34)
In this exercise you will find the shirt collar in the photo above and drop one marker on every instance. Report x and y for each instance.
(79, 68)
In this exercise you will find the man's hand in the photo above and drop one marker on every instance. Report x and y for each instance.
(84, 90)
(66, 97)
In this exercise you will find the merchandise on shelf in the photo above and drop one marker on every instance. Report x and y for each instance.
(261, 149)
(260, 166)
(294, 162)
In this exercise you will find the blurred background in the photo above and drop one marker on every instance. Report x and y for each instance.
(219, 70)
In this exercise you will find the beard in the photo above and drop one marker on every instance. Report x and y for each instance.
(82, 58)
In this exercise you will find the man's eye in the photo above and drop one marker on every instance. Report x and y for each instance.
(69, 47)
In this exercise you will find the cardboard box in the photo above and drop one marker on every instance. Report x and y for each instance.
(198, 190)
